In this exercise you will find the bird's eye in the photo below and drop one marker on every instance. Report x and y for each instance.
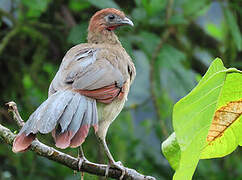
(111, 17)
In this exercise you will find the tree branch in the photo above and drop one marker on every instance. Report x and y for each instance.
(153, 83)
(8, 38)
(65, 159)
(154, 56)
(8, 15)
(68, 18)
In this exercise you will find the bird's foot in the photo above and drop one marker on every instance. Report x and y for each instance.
(81, 161)
(117, 165)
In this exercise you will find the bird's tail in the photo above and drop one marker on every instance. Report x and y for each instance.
(67, 114)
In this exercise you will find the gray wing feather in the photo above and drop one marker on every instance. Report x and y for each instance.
(54, 111)
(88, 114)
(100, 74)
(69, 112)
(31, 126)
(78, 117)
(85, 70)
(94, 113)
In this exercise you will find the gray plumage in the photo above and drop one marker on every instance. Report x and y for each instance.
(79, 116)
(69, 112)
(54, 111)
(95, 76)
(45, 117)
(66, 108)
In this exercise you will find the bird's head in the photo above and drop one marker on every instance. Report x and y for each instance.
(108, 20)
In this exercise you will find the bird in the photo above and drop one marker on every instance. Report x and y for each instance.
(89, 89)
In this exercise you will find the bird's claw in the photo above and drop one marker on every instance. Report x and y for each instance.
(117, 165)
(81, 161)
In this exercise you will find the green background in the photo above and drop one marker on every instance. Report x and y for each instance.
(172, 44)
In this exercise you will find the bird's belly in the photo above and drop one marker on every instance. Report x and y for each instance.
(107, 113)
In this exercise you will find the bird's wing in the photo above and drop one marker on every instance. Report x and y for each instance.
(91, 75)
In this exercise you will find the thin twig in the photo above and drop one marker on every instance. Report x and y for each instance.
(65, 159)
(155, 55)
(7, 38)
(68, 17)
(169, 10)
(44, 25)
(12, 107)
(153, 83)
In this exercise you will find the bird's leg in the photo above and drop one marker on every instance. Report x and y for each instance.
(112, 163)
(81, 157)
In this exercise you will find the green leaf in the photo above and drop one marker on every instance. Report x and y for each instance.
(104, 4)
(178, 19)
(169, 56)
(27, 81)
(138, 3)
(172, 71)
(78, 34)
(139, 15)
(154, 6)
(171, 151)
(193, 115)
(35, 7)
(78, 5)
(214, 31)
(147, 42)
(195, 8)
(234, 28)
(231, 98)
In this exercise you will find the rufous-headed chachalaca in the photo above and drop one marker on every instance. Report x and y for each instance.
(89, 89)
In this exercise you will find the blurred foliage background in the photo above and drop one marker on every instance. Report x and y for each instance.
(172, 44)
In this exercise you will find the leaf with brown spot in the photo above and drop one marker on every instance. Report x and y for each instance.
(225, 132)
(207, 122)
(223, 118)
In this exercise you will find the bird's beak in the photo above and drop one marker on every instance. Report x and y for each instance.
(126, 21)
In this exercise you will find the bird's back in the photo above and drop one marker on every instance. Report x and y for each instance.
(81, 56)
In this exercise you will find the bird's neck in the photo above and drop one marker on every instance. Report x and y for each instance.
(104, 36)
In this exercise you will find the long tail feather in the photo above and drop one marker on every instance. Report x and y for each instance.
(54, 111)
(67, 114)
(80, 136)
(73, 126)
(63, 140)
(22, 142)
(83, 129)
(94, 116)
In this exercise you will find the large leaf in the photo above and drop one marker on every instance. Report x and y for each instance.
(207, 122)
